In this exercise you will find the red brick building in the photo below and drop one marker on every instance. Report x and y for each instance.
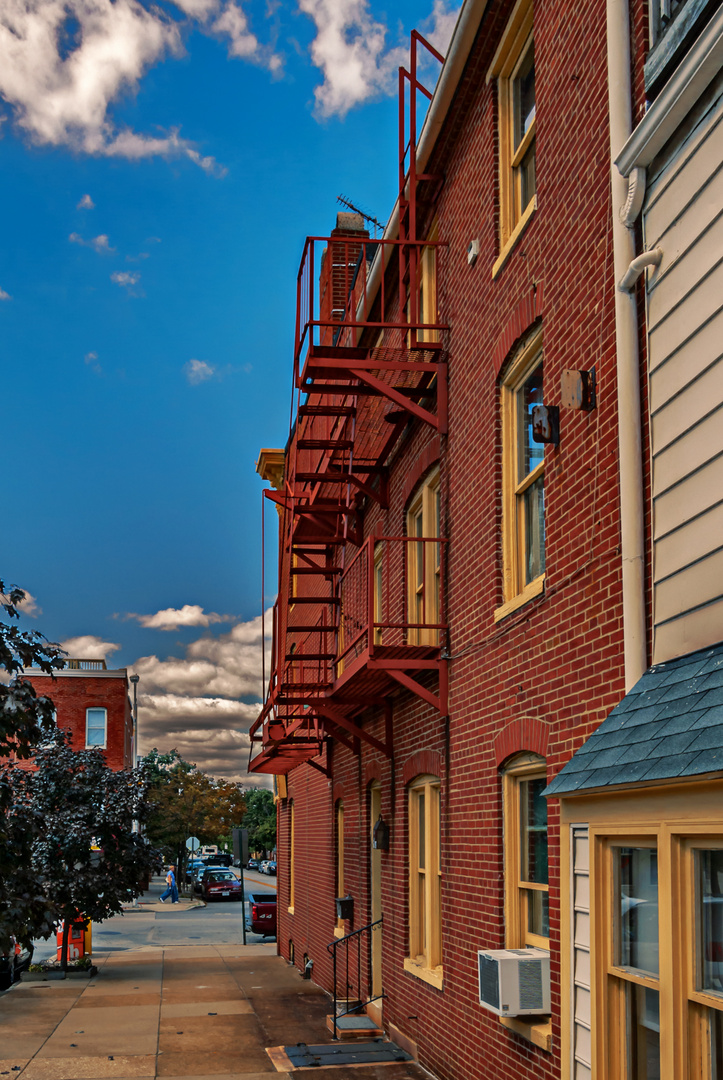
(449, 627)
(93, 704)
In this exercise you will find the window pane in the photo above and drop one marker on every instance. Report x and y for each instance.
(710, 920)
(527, 176)
(642, 1012)
(538, 912)
(534, 504)
(523, 90)
(421, 829)
(533, 823)
(95, 730)
(530, 453)
(638, 909)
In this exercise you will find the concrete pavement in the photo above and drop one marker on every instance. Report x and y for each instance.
(192, 1012)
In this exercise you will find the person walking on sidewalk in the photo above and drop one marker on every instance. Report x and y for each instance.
(172, 889)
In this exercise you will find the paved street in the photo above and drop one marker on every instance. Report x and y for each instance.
(219, 923)
(176, 995)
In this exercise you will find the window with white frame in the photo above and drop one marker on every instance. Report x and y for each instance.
(96, 724)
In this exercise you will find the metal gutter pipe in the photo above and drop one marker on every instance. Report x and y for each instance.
(628, 360)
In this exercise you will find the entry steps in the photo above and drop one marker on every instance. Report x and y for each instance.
(332, 1055)
(354, 1026)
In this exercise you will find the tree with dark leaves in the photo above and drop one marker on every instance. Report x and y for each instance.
(25, 718)
(78, 816)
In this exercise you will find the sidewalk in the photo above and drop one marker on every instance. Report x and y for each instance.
(189, 1012)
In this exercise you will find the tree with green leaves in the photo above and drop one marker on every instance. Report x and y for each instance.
(260, 819)
(186, 802)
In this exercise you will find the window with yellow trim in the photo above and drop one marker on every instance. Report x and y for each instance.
(523, 478)
(513, 67)
(340, 857)
(292, 858)
(424, 564)
(378, 592)
(527, 917)
(426, 274)
(425, 876)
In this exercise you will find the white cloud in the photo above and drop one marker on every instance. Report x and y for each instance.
(97, 243)
(91, 360)
(198, 371)
(86, 203)
(438, 27)
(188, 615)
(29, 606)
(4, 295)
(204, 702)
(65, 62)
(89, 647)
(351, 51)
(127, 279)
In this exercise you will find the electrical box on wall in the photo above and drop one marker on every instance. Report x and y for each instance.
(514, 982)
(577, 389)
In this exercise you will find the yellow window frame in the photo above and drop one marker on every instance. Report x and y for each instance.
(518, 890)
(425, 880)
(339, 929)
(514, 540)
(511, 53)
(424, 571)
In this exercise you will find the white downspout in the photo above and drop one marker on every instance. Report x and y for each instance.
(628, 361)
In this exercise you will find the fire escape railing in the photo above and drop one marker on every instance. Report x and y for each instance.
(392, 596)
(394, 307)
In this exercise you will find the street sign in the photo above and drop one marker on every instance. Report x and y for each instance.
(193, 843)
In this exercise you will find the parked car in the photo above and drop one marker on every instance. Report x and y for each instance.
(221, 858)
(14, 962)
(198, 875)
(192, 866)
(260, 913)
(220, 885)
(268, 866)
(252, 864)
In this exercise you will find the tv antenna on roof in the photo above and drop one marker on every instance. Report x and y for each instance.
(367, 217)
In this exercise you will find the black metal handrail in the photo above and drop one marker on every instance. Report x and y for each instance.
(349, 983)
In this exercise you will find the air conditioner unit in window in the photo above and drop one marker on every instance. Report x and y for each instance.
(514, 982)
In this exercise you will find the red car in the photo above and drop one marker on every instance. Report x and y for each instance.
(261, 913)
(220, 885)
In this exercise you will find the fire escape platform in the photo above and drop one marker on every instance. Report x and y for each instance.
(373, 675)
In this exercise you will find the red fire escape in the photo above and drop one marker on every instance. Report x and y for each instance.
(356, 617)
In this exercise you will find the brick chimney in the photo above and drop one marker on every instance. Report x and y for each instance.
(338, 264)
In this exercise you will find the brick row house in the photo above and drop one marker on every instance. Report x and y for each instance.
(92, 703)
(497, 509)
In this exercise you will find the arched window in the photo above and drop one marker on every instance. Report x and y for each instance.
(425, 880)
(292, 860)
(527, 919)
(339, 931)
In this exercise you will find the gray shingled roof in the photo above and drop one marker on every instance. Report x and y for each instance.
(669, 725)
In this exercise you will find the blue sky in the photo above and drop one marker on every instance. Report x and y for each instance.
(159, 170)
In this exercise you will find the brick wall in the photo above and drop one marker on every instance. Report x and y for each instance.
(545, 676)
(73, 693)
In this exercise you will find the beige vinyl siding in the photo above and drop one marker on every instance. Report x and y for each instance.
(581, 1008)
(683, 215)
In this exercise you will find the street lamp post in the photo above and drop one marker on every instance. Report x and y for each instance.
(134, 680)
